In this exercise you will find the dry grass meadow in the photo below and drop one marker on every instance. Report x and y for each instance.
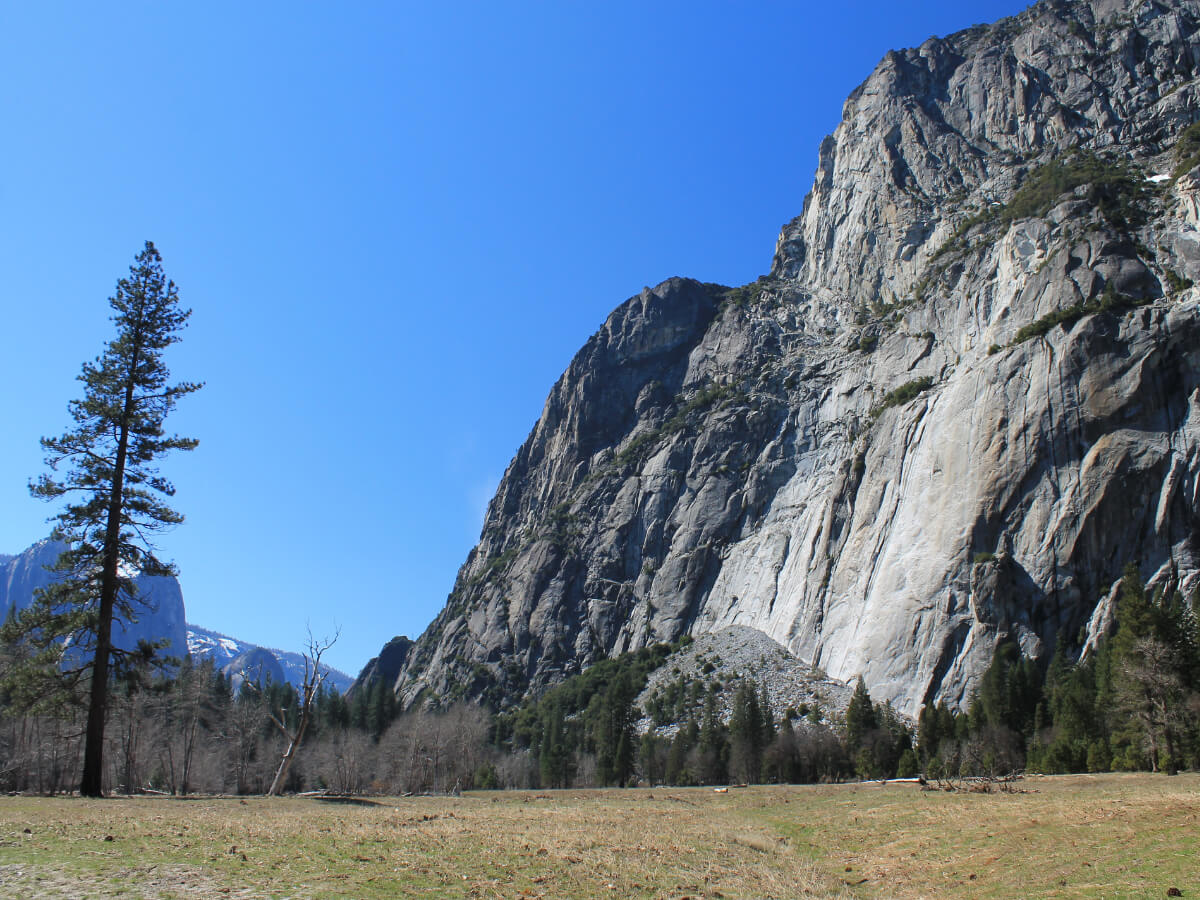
(1077, 836)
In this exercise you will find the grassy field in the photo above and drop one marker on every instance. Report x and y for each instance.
(1078, 836)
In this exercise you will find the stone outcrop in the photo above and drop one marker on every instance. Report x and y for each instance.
(963, 398)
(256, 664)
(388, 665)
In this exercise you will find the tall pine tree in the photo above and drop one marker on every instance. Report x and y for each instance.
(113, 492)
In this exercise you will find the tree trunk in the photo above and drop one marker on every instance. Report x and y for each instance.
(92, 783)
(284, 765)
(293, 746)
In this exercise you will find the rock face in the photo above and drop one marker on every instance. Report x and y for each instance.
(965, 396)
(388, 665)
(257, 665)
(161, 614)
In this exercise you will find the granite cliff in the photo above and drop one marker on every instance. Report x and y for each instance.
(962, 399)
(161, 613)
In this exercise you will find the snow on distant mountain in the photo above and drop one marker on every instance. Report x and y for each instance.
(233, 657)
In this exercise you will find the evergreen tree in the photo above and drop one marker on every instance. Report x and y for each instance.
(677, 759)
(1134, 614)
(937, 737)
(623, 762)
(712, 745)
(554, 755)
(860, 718)
(113, 493)
(746, 734)
(768, 717)
(929, 736)
(380, 709)
(652, 758)
(359, 708)
(1008, 693)
(890, 741)
(613, 715)
(782, 763)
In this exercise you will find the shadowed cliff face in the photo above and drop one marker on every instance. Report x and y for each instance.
(964, 397)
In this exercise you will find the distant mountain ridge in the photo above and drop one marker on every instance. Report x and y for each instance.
(165, 617)
(233, 656)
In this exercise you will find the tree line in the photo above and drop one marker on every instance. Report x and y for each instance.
(194, 731)
(191, 730)
(696, 730)
(1133, 702)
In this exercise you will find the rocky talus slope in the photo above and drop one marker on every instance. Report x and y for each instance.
(963, 398)
(737, 654)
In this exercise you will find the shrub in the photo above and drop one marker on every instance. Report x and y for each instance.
(1065, 316)
(486, 778)
(1175, 281)
(495, 565)
(746, 295)
(639, 447)
(1187, 151)
(1114, 186)
(1108, 301)
(908, 391)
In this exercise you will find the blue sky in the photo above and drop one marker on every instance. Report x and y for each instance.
(395, 223)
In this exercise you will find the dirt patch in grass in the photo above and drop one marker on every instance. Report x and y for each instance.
(154, 881)
(1064, 837)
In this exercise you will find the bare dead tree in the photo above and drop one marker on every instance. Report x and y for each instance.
(314, 677)
(1154, 693)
